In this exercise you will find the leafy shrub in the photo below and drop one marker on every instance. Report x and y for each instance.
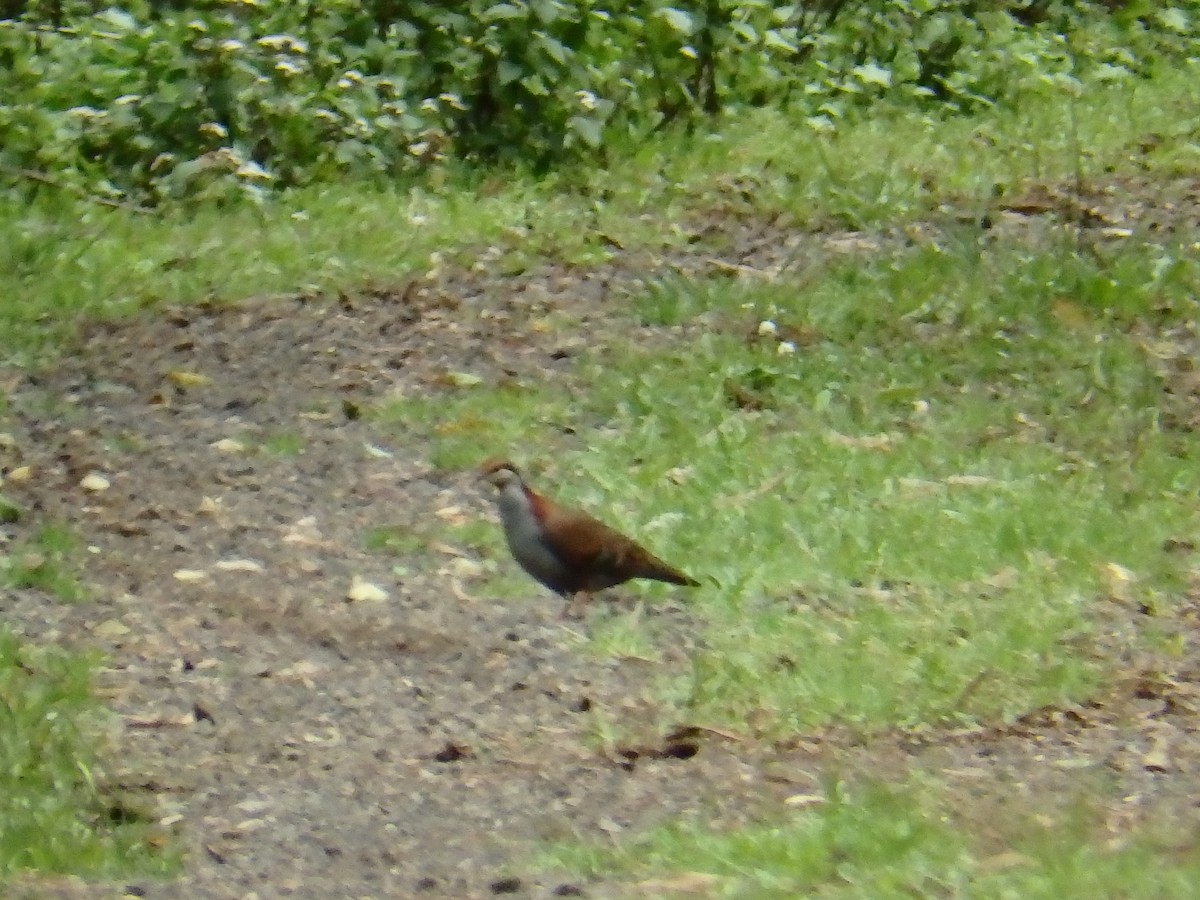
(162, 100)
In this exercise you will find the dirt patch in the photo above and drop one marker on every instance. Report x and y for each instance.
(304, 744)
(313, 745)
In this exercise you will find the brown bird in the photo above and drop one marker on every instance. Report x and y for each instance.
(566, 549)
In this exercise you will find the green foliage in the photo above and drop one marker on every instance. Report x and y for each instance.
(877, 840)
(46, 561)
(282, 443)
(152, 103)
(913, 527)
(957, 465)
(62, 258)
(903, 841)
(396, 540)
(9, 511)
(464, 422)
(931, 388)
(54, 815)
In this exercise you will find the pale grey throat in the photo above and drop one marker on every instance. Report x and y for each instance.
(526, 540)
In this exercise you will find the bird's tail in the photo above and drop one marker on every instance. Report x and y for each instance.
(658, 570)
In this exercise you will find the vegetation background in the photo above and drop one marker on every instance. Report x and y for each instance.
(908, 360)
(146, 102)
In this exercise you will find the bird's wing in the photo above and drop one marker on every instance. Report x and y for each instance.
(582, 541)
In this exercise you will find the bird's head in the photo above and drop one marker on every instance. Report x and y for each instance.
(500, 473)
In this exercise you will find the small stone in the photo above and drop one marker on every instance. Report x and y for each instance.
(611, 826)
(94, 482)
(183, 379)
(466, 568)
(364, 592)
(208, 507)
(238, 565)
(462, 379)
(111, 628)
(804, 800)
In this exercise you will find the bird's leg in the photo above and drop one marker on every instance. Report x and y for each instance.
(573, 599)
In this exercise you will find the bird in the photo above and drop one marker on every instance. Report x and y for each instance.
(567, 550)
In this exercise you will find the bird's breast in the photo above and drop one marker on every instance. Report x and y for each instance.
(527, 542)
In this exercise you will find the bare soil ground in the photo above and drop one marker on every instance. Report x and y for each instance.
(306, 745)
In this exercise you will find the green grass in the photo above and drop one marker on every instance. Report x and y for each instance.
(918, 527)
(282, 443)
(10, 511)
(395, 540)
(60, 259)
(46, 561)
(462, 421)
(958, 445)
(906, 840)
(54, 814)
